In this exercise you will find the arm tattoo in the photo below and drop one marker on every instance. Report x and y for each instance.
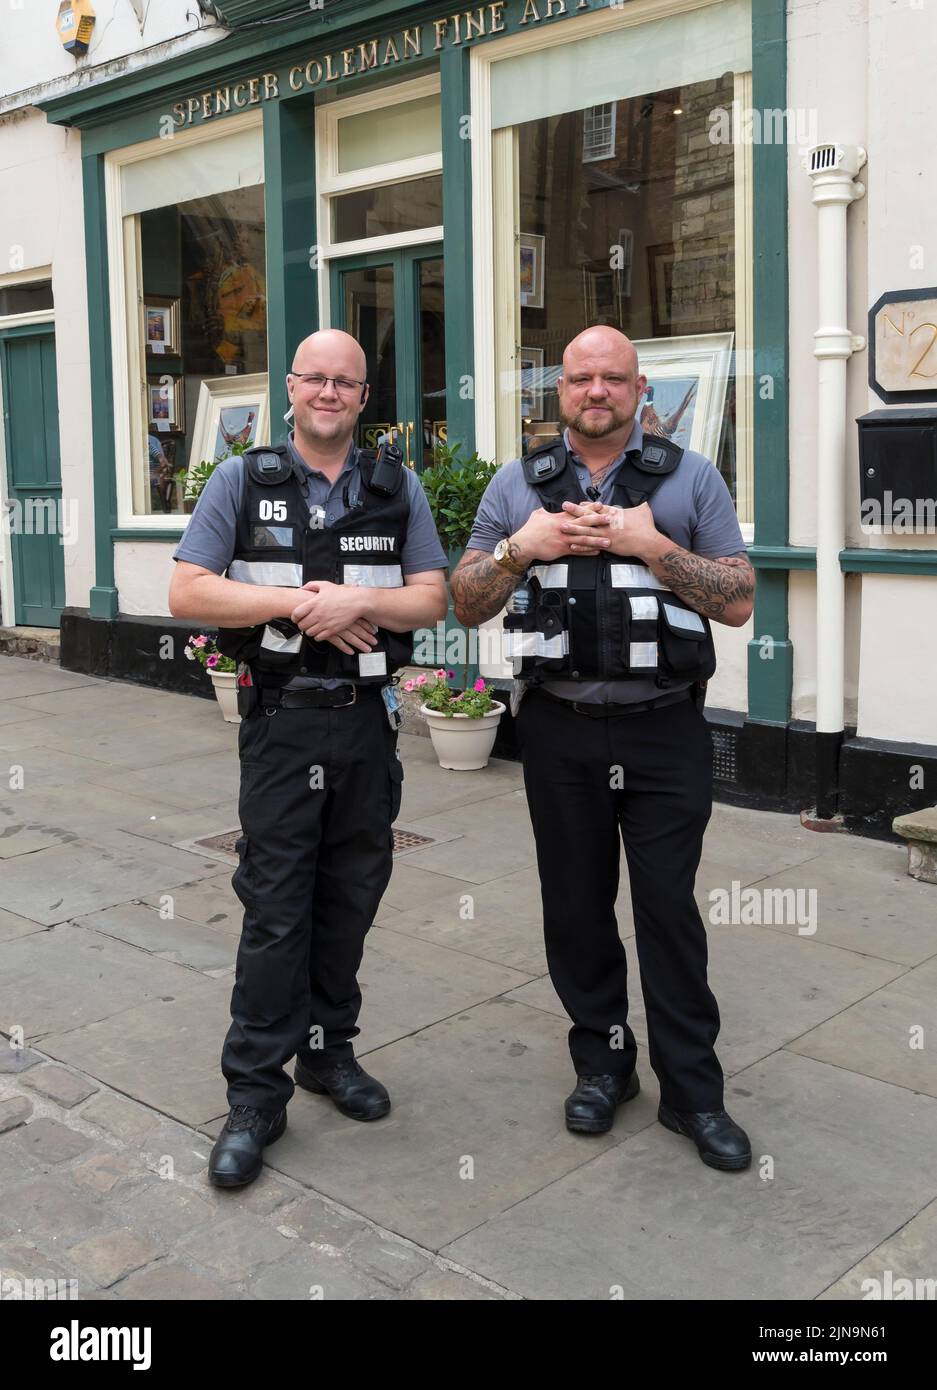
(709, 586)
(480, 587)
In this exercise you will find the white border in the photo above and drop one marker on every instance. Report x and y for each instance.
(125, 349)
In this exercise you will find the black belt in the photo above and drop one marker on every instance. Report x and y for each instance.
(316, 697)
(608, 711)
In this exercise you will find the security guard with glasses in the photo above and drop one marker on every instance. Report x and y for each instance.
(332, 560)
(614, 550)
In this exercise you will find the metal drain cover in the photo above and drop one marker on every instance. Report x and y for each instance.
(409, 839)
(403, 839)
(225, 842)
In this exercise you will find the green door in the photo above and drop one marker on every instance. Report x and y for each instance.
(33, 473)
(392, 302)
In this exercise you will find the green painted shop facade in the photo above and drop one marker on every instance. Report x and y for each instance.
(424, 87)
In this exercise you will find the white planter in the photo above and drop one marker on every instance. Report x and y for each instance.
(226, 693)
(462, 743)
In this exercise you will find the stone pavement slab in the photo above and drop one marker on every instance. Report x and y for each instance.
(170, 938)
(477, 1123)
(69, 977)
(68, 880)
(888, 1035)
(166, 1053)
(650, 1218)
(771, 988)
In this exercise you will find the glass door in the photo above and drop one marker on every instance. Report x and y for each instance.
(392, 302)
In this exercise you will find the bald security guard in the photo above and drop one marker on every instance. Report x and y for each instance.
(622, 548)
(332, 560)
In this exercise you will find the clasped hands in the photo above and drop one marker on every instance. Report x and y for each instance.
(588, 528)
(335, 613)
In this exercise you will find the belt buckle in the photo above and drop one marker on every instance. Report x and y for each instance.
(353, 700)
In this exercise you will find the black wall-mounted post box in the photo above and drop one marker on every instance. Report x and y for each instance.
(898, 468)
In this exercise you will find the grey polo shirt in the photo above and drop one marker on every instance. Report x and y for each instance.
(210, 536)
(692, 504)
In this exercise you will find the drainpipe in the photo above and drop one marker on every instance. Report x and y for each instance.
(832, 170)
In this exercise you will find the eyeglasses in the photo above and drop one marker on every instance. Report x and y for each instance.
(344, 385)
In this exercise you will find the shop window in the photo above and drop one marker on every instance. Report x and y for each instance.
(403, 130)
(387, 209)
(196, 317)
(34, 296)
(628, 213)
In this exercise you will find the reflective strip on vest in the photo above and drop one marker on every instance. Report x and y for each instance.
(643, 607)
(642, 654)
(280, 573)
(535, 644)
(684, 617)
(374, 576)
(274, 641)
(634, 577)
(550, 576)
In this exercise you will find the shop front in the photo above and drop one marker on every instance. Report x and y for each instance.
(464, 192)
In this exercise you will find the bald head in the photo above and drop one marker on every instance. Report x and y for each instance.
(601, 386)
(331, 350)
(325, 415)
(600, 342)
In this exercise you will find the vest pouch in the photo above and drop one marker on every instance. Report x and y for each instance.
(682, 633)
(280, 643)
(549, 641)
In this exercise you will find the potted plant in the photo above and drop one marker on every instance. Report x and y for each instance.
(194, 479)
(463, 724)
(223, 673)
(454, 487)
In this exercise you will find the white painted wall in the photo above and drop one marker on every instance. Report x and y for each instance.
(143, 572)
(888, 112)
(41, 224)
(32, 53)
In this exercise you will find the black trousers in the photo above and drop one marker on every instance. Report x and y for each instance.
(320, 789)
(648, 778)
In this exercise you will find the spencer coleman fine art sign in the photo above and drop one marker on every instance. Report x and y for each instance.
(370, 55)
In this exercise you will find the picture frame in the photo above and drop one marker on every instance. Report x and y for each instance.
(230, 409)
(530, 369)
(660, 263)
(532, 260)
(165, 404)
(162, 321)
(601, 295)
(687, 379)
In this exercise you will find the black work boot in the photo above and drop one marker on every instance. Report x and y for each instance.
(238, 1155)
(720, 1141)
(590, 1109)
(355, 1093)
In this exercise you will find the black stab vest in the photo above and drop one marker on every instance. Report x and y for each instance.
(605, 617)
(280, 542)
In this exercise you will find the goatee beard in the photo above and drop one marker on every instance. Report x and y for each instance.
(613, 422)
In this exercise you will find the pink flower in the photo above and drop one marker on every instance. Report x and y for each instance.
(408, 685)
(212, 660)
(421, 680)
(451, 675)
(479, 684)
(440, 675)
(200, 641)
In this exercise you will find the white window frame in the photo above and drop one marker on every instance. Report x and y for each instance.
(608, 150)
(123, 259)
(329, 181)
(496, 254)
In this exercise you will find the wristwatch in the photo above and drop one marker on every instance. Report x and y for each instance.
(502, 556)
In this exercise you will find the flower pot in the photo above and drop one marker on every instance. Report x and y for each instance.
(226, 693)
(462, 743)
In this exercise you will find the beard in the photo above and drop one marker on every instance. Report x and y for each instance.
(609, 422)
